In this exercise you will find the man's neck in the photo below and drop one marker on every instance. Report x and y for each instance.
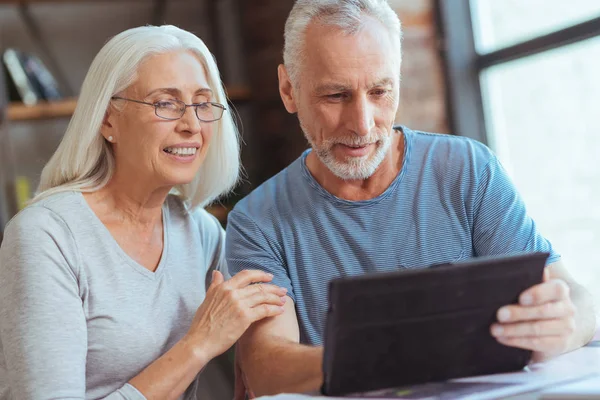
(360, 189)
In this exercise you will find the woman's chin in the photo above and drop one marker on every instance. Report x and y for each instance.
(176, 180)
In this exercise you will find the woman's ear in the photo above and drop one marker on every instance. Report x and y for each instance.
(107, 129)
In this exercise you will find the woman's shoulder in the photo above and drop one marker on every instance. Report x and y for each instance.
(40, 229)
(51, 211)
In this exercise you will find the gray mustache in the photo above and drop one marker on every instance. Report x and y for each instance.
(354, 142)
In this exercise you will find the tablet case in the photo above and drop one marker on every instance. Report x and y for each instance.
(386, 330)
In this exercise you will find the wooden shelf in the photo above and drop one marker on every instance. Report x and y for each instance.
(55, 109)
(65, 108)
(41, 1)
(238, 93)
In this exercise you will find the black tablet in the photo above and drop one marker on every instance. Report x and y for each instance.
(421, 325)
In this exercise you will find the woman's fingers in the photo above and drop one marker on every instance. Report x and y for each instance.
(264, 298)
(217, 278)
(267, 288)
(265, 311)
(249, 276)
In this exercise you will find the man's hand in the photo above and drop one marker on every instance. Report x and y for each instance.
(543, 321)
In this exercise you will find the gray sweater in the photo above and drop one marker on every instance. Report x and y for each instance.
(78, 316)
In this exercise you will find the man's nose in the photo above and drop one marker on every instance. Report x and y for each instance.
(361, 116)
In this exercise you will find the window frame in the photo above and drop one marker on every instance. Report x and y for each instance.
(464, 65)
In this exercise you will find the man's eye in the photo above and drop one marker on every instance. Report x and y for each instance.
(379, 92)
(336, 96)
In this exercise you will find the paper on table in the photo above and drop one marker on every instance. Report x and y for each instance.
(480, 388)
(563, 370)
(580, 390)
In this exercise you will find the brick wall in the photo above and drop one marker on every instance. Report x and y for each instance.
(274, 138)
(423, 90)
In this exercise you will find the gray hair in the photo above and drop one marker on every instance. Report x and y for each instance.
(345, 14)
(84, 160)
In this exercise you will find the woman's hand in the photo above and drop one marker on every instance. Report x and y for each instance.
(230, 308)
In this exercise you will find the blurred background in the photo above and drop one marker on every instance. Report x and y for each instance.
(519, 76)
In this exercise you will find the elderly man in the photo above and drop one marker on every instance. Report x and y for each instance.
(369, 198)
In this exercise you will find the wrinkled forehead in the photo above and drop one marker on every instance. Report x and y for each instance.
(179, 71)
(369, 55)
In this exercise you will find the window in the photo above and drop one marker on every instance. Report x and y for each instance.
(523, 79)
(503, 23)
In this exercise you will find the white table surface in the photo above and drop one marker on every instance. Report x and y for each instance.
(575, 375)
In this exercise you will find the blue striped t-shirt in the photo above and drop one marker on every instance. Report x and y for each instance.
(451, 200)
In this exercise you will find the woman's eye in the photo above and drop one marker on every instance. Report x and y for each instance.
(167, 105)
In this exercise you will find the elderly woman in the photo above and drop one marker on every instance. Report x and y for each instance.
(111, 281)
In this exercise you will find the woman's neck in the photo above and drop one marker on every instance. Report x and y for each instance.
(130, 202)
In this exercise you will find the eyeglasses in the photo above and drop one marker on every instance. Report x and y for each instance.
(175, 109)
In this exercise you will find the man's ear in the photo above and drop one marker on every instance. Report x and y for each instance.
(286, 90)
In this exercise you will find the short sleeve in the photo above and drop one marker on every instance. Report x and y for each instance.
(247, 247)
(501, 224)
(43, 327)
(42, 323)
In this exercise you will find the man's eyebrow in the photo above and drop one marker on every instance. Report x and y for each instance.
(384, 82)
(338, 87)
(331, 88)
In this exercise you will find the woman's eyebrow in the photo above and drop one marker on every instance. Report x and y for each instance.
(177, 92)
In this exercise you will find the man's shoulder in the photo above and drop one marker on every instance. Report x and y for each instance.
(448, 149)
(272, 194)
(449, 140)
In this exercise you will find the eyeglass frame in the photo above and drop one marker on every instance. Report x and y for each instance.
(195, 105)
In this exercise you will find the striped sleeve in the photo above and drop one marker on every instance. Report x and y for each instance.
(247, 247)
(501, 224)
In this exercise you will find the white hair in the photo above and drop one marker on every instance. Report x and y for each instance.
(84, 160)
(348, 15)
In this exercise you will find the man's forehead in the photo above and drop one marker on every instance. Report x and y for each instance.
(332, 55)
(369, 31)
(344, 85)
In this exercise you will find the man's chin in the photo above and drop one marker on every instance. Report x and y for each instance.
(351, 171)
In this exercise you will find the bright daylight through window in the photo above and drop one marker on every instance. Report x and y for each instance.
(542, 120)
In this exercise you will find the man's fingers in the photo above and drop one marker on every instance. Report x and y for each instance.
(248, 276)
(544, 344)
(516, 313)
(553, 290)
(554, 327)
(546, 276)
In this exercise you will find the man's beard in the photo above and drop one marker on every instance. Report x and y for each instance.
(352, 168)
